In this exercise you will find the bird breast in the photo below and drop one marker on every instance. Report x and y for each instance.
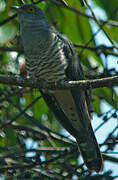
(45, 57)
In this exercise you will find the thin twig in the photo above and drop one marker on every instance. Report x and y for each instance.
(10, 49)
(110, 22)
(7, 20)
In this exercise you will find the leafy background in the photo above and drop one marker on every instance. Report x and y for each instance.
(32, 144)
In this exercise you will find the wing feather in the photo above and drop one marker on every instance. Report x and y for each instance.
(83, 133)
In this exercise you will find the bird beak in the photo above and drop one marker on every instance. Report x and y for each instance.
(16, 8)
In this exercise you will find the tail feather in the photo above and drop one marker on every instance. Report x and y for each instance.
(90, 151)
(81, 130)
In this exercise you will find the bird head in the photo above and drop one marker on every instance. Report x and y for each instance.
(34, 26)
(29, 11)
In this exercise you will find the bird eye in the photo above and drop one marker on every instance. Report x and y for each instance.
(31, 9)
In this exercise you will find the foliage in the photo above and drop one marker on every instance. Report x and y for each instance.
(32, 143)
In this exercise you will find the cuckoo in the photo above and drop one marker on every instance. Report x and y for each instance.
(50, 56)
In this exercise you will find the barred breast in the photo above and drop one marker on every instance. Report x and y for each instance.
(50, 63)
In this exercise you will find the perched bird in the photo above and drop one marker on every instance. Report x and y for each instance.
(50, 56)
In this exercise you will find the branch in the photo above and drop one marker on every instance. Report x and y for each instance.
(110, 22)
(82, 84)
(101, 47)
(53, 135)
(63, 4)
(33, 164)
(110, 158)
(10, 49)
(7, 20)
(107, 50)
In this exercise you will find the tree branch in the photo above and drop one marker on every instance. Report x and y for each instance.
(110, 22)
(107, 50)
(110, 158)
(82, 84)
(7, 20)
(10, 49)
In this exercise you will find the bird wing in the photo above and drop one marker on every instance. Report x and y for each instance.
(71, 110)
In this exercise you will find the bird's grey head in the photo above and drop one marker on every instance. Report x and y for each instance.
(34, 26)
(29, 12)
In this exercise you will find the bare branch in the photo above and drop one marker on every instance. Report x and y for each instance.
(107, 50)
(10, 49)
(109, 158)
(110, 22)
(82, 84)
(7, 20)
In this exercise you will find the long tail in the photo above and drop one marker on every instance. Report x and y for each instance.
(90, 151)
(62, 105)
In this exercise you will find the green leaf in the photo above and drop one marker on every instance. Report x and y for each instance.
(96, 104)
(107, 94)
(40, 107)
(7, 32)
(11, 136)
(114, 35)
(109, 7)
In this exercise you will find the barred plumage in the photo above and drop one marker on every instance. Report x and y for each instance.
(49, 64)
(51, 56)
